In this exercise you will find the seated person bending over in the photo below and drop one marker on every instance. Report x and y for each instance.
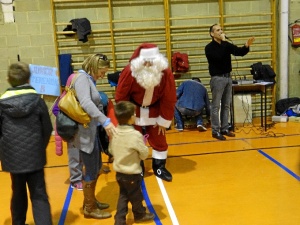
(192, 98)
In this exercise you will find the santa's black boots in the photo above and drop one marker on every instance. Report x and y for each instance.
(158, 166)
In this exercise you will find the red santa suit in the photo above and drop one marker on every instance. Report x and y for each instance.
(155, 105)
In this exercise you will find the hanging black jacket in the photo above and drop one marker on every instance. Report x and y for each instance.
(25, 130)
(81, 26)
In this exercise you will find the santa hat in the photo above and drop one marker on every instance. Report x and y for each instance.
(146, 51)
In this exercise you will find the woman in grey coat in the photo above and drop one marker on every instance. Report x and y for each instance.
(93, 68)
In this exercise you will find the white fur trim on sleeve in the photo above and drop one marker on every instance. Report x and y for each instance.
(162, 122)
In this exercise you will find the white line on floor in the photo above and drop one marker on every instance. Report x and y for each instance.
(167, 201)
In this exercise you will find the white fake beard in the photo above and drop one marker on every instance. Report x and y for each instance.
(148, 77)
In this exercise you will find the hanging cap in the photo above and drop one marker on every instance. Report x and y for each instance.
(146, 51)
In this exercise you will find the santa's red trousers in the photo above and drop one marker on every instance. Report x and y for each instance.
(157, 141)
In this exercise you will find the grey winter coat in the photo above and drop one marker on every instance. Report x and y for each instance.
(88, 97)
(25, 130)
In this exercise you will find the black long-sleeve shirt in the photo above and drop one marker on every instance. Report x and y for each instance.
(219, 56)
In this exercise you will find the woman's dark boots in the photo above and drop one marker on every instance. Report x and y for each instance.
(90, 207)
(158, 166)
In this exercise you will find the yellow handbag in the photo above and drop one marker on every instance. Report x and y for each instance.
(69, 104)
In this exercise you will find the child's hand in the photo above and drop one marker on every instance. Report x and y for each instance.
(146, 138)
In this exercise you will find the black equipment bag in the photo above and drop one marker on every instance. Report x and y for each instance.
(263, 72)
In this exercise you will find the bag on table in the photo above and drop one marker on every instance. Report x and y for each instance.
(263, 72)
(66, 127)
(69, 104)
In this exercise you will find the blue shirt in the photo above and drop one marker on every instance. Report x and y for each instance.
(193, 95)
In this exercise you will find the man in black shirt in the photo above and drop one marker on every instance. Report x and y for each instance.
(218, 53)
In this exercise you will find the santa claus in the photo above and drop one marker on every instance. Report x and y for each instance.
(149, 84)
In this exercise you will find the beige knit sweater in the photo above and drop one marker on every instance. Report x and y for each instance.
(128, 149)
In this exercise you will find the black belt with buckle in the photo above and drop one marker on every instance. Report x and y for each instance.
(139, 105)
(223, 75)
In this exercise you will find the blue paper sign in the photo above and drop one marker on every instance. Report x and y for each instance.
(44, 79)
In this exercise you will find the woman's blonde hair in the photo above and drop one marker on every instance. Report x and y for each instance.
(94, 62)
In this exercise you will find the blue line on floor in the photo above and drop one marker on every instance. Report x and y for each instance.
(280, 165)
(149, 204)
(66, 206)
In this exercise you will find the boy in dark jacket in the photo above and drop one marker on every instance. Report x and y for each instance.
(25, 130)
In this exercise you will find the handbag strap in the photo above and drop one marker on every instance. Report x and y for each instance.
(69, 84)
(71, 80)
